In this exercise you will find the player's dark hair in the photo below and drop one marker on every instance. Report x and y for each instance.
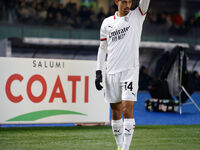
(135, 4)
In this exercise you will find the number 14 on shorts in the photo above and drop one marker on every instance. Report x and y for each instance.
(129, 86)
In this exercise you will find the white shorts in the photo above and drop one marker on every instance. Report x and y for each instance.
(122, 86)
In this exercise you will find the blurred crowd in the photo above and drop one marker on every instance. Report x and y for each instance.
(40, 12)
(174, 21)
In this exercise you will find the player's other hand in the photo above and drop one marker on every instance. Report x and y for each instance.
(98, 80)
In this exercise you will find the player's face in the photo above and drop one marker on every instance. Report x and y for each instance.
(124, 6)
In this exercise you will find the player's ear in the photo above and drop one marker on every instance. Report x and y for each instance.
(116, 2)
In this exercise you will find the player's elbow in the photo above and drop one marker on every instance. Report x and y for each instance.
(103, 46)
(143, 7)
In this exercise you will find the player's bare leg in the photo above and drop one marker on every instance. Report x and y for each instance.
(128, 109)
(117, 123)
(129, 123)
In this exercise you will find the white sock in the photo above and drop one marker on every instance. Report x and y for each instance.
(117, 128)
(129, 125)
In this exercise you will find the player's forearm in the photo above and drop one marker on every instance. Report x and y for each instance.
(144, 5)
(101, 55)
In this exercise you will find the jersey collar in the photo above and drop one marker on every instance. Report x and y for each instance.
(117, 16)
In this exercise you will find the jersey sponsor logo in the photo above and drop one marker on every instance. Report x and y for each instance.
(119, 34)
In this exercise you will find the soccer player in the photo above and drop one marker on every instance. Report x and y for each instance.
(120, 36)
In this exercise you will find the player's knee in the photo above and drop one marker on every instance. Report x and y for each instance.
(128, 113)
(116, 114)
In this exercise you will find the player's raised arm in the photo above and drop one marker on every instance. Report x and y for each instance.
(143, 6)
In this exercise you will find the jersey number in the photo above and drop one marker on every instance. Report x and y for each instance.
(129, 85)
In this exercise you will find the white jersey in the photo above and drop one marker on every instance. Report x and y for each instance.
(123, 35)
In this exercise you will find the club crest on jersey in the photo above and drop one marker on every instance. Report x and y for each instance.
(118, 34)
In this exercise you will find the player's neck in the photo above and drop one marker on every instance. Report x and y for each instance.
(121, 14)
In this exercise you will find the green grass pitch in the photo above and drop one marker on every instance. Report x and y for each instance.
(177, 137)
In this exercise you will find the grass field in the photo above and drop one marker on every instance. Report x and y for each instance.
(99, 138)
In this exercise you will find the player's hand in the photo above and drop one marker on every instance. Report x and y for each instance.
(98, 80)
